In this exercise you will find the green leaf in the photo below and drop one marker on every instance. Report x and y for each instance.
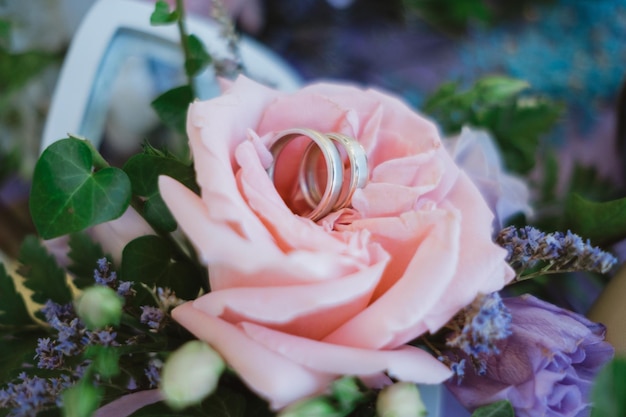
(496, 104)
(84, 254)
(198, 58)
(162, 15)
(152, 261)
(172, 106)
(608, 391)
(496, 89)
(497, 409)
(144, 171)
(17, 69)
(602, 223)
(42, 274)
(81, 400)
(13, 311)
(104, 359)
(347, 392)
(68, 196)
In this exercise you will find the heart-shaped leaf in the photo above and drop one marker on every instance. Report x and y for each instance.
(152, 261)
(68, 196)
(143, 171)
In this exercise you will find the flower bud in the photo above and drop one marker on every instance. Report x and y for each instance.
(99, 306)
(190, 374)
(400, 400)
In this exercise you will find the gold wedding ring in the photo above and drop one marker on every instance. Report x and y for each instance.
(334, 148)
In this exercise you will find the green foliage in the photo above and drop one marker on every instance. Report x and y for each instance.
(13, 311)
(104, 360)
(602, 223)
(496, 104)
(608, 391)
(82, 399)
(198, 58)
(162, 14)
(9, 162)
(144, 171)
(84, 254)
(42, 274)
(5, 32)
(454, 15)
(153, 261)
(68, 196)
(497, 409)
(16, 349)
(17, 69)
(343, 399)
(171, 107)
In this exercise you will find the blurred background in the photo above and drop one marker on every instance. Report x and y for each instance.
(570, 51)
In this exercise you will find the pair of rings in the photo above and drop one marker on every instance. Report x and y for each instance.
(335, 148)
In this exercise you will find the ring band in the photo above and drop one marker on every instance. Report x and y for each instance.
(336, 195)
(358, 171)
(334, 166)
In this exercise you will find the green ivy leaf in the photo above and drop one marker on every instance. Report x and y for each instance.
(42, 274)
(198, 58)
(68, 196)
(162, 15)
(144, 171)
(84, 254)
(602, 223)
(152, 261)
(171, 107)
(497, 409)
(608, 391)
(13, 311)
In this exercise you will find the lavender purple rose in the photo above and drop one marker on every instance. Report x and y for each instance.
(546, 367)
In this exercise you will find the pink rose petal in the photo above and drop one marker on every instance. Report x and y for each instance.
(269, 374)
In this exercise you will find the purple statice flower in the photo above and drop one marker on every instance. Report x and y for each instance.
(152, 316)
(125, 289)
(153, 372)
(32, 395)
(103, 275)
(546, 367)
(49, 356)
(485, 322)
(562, 252)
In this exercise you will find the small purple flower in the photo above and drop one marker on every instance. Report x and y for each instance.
(545, 367)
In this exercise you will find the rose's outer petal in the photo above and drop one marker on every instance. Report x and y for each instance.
(390, 321)
(309, 310)
(406, 363)
(214, 135)
(272, 376)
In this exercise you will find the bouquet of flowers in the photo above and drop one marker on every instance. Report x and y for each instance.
(323, 252)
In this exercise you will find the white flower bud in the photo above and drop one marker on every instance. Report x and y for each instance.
(400, 400)
(99, 306)
(190, 374)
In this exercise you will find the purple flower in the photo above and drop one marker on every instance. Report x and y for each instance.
(545, 367)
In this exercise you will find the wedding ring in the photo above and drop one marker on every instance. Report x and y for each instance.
(332, 158)
(358, 171)
(334, 148)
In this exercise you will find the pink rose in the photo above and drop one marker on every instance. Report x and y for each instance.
(295, 304)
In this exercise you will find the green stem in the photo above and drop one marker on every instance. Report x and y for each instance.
(182, 30)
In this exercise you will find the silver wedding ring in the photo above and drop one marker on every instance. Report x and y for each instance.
(340, 153)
